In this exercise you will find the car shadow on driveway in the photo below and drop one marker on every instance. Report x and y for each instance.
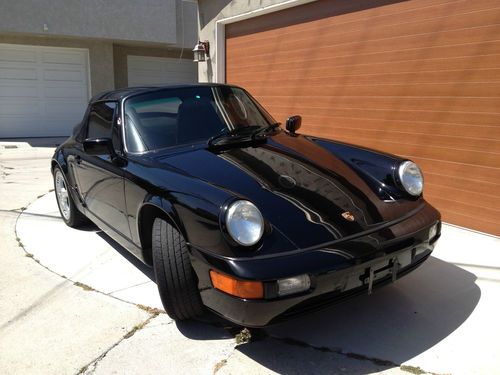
(147, 271)
(393, 325)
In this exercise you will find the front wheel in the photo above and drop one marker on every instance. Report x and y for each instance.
(70, 214)
(174, 274)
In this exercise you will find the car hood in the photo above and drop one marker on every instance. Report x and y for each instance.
(307, 193)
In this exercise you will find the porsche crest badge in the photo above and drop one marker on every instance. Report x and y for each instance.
(348, 216)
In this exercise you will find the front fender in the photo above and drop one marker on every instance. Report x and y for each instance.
(376, 168)
(156, 204)
(59, 160)
(194, 218)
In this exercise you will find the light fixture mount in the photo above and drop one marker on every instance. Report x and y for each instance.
(201, 51)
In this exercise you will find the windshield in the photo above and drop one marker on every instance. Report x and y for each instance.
(172, 117)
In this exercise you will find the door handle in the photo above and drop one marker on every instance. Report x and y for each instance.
(78, 159)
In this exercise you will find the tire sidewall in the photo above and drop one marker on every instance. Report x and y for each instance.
(176, 279)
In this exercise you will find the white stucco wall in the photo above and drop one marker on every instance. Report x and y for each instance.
(153, 21)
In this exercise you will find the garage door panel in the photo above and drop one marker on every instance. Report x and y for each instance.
(341, 33)
(142, 76)
(353, 13)
(158, 78)
(487, 190)
(145, 70)
(458, 170)
(145, 63)
(479, 158)
(66, 93)
(24, 107)
(465, 130)
(43, 90)
(442, 134)
(66, 109)
(12, 92)
(21, 126)
(317, 12)
(53, 124)
(334, 78)
(287, 57)
(467, 89)
(453, 57)
(450, 104)
(63, 75)
(380, 117)
(9, 73)
(74, 58)
(470, 209)
(319, 45)
(482, 201)
(419, 19)
(326, 67)
(404, 136)
(472, 220)
(18, 55)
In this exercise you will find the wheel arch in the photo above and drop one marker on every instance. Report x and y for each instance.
(147, 214)
(58, 160)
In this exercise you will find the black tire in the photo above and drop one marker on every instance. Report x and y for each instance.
(175, 277)
(73, 218)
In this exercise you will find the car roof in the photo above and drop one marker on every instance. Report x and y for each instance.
(123, 93)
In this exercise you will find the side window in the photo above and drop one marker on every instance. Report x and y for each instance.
(101, 120)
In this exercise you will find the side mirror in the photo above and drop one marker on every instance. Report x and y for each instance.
(98, 146)
(293, 123)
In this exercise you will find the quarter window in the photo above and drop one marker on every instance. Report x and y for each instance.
(101, 120)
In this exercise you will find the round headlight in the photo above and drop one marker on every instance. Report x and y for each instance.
(411, 178)
(244, 223)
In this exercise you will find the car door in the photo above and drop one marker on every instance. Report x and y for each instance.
(99, 178)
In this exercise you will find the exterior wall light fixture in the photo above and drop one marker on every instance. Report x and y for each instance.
(201, 51)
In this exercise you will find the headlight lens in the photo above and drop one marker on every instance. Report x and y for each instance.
(244, 223)
(411, 178)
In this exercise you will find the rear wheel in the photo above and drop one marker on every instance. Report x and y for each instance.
(70, 214)
(175, 276)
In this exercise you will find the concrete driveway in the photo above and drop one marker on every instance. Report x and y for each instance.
(75, 301)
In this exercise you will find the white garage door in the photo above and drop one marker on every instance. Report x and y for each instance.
(43, 90)
(144, 70)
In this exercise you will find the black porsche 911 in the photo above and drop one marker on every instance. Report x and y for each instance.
(235, 214)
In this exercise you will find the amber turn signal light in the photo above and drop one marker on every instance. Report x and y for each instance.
(235, 287)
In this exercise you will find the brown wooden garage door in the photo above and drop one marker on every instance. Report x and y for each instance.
(417, 78)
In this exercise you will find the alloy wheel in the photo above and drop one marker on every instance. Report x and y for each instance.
(62, 195)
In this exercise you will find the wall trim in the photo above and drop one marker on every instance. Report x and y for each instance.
(220, 32)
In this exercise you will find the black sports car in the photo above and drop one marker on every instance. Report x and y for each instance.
(234, 213)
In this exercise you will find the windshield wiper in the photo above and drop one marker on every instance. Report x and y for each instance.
(265, 130)
(233, 135)
(223, 133)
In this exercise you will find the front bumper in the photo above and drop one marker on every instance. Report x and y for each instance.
(334, 276)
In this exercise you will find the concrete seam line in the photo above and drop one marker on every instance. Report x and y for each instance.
(75, 283)
(87, 370)
(362, 357)
(223, 362)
